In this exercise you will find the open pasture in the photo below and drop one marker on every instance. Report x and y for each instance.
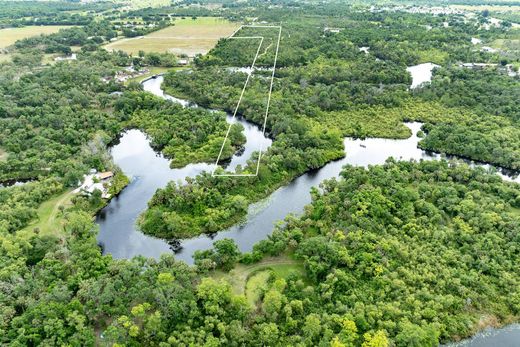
(186, 36)
(9, 36)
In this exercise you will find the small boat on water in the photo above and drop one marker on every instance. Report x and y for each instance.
(362, 145)
(154, 76)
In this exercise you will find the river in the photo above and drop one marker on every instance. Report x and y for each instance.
(508, 336)
(150, 170)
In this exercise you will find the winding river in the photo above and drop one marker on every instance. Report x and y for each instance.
(149, 171)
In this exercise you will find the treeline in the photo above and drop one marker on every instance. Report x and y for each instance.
(326, 85)
(21, 13)
(92, 34)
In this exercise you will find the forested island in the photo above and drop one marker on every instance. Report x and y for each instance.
(405, 253)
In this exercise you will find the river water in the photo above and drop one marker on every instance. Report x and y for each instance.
(508, 336)
(150, 170)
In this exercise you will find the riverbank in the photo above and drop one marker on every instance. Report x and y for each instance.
(51, 213)
(122, 239)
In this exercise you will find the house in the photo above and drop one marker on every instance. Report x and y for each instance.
(103, 176)
(96, 181)
(183, 61)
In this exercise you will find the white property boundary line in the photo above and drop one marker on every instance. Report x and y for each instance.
(232, 36)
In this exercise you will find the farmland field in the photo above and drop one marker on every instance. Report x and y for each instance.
(187, 36)
(9, 36)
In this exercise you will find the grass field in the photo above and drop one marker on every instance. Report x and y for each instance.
(5, 57)
(9, 36)
(506, 44)
(251, 280)
(256, 285)
(3, 155)
(49, 220)
(187, 36)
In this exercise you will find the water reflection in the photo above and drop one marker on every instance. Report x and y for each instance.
(151, 171)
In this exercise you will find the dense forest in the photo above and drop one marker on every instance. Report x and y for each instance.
(326, 88)
(444, 237)
(400, 254)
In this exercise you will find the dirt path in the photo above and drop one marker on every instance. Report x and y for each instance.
(265, 51)
(61, 202)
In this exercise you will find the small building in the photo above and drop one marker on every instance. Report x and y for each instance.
(96, 181)
(183, 61)
(71, 57)
(332, 30)
(103, 176)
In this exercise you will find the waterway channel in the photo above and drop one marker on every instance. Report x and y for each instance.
(149, 171)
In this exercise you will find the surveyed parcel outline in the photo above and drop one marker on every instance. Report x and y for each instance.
(261, 38)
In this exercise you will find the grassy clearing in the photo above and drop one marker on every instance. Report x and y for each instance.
(9, 36)
(506, 44)
(49, 220)
(187, 36)
(256, 285)
(246, 279)
(5, 57)
(3, 155)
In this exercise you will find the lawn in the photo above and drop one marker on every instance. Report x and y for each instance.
(9, 36)
(186, 36)
(49, 215)
(251, 280)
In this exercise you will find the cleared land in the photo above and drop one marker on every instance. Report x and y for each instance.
(256, 285)
(187, 36)
(506, 44)
(3, 154)
(9, 36)
(49, 214)
(251, 279)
